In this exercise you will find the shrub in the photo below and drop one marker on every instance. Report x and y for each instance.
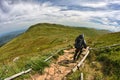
(38, 65)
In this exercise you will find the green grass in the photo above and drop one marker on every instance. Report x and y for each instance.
(43, 37)
(106, 64)
(40, 40)
(74, 76)
(110, 57)
(108, 39)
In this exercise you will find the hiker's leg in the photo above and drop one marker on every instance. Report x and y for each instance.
(79, 54)
(75, 55)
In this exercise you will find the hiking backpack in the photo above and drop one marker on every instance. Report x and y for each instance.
(78, 43)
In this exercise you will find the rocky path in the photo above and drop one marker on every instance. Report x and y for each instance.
(58, 69)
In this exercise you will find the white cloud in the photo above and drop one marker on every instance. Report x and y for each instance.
(114, 23)
(25, 14)
(29, 11)
(95, 5)
(115, 1)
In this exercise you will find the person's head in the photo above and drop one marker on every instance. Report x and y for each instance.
(81, 36)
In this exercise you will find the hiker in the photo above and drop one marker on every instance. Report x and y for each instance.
(79, 45)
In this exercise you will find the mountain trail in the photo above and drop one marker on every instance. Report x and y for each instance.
(59, 69)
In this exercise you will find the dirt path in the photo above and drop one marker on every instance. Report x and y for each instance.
(58, 69)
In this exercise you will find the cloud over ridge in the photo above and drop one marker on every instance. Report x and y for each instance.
(100, 14)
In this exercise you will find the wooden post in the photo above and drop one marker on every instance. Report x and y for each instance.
(79, 64)
(81, 76)
(18, 74)
(55, 54)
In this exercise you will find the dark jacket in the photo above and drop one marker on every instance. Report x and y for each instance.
(80, 42)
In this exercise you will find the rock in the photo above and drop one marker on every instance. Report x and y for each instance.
(62, 69)
(15, 59)
(42, 77)
(46, 70)
(52, 65)
(48, 77)
(56, 75)
(68, 71)
(61, 76)
(51, 71)
(60, 58)
(57, 78)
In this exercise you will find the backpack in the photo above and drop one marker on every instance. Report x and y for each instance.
(78, 43)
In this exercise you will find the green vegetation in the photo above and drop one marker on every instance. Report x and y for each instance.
(110, 57)
(42, 37)
(107, 39)
(37, 64)
(102, 64)
(38, 42)
(74, 76)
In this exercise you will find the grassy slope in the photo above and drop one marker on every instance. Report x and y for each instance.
(41, 39)
(110, 57)
(102, 64)
(108, 39)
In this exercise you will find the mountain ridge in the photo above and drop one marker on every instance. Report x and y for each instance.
(42, 39)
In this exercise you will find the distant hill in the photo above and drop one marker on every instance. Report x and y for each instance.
(39, 40)
(44, 36)
(9, 36)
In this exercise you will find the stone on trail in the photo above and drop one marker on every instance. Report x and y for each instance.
(51, 71)
(57, 71)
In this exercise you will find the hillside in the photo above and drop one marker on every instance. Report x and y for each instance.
(102, 63)
(43, 36)
(40, 40)
(110, 57)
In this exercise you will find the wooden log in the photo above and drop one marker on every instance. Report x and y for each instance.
(80, 63)
(48, 58)
(18, 74)
(54, 54)
(81, 76)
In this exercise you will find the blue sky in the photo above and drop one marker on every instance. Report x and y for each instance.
(20, 14)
